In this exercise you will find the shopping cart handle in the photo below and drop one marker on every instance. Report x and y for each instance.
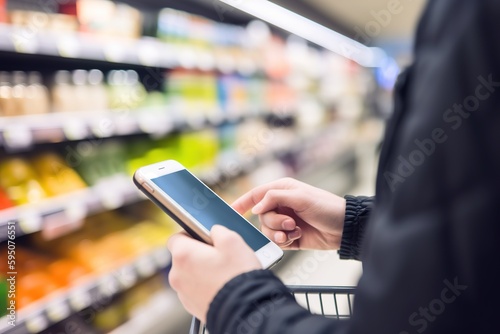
(307, 291)
(195, 326)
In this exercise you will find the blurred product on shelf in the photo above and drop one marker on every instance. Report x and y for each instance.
(197, 150)
(37, 95)
(197, 94)
(3, 11)
(31, 181)
(100, 162)
(63, 92)
(109, 19)
(39, 274)
(105, 242)
(20, 181)
(7, 104)
(125, 91)
(129, 303)
(56, 177)
(5, 201)
(191, 95)
(79, 90)
(22, 94)
(47, 21)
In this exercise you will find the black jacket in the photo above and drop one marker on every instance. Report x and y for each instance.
(431, 245)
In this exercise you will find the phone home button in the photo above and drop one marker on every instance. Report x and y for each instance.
(266, 255)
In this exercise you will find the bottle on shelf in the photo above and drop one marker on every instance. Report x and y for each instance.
(97, 94)
(7, 104)
(63, 98)
(19, 90)
(126, 91)
(37, 95)
(79, 80)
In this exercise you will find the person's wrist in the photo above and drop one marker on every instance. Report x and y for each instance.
(340, 221)
(337, 225)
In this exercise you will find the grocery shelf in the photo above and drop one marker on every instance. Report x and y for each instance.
(145, 51)
(62, 214)
(21, 132)
(61, 304)
(150, 318)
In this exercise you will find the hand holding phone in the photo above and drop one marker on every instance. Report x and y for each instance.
(197, 208)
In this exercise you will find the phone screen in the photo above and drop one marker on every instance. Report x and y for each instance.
(206, 207)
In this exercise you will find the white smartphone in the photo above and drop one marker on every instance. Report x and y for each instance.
(197, 208)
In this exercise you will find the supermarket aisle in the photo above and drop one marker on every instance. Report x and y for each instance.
(86, 99)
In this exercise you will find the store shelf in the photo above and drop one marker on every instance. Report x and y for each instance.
(21, 132)
(151, 317)
(59, 305)
(60, 215)
(146, 51)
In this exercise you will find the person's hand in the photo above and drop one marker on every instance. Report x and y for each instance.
(199, 270)
(296, 215)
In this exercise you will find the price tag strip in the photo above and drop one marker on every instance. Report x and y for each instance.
(30, 221)
(127, 276)
(58, 310)
(17, 136)
(37, 323)
(162, 257)
(146, 266)
(80, 299)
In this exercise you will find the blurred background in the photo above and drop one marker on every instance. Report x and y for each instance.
(90, 90)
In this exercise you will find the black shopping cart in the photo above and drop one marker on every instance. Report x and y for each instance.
(332, 302)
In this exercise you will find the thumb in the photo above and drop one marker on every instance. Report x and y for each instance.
(222, 237)
(281, 198)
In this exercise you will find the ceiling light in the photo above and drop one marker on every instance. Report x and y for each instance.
(311, 31)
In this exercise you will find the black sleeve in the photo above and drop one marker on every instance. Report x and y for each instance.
(258, 302)
(430, 250)
(357, 213)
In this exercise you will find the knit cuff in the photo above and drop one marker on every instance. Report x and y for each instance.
(356, 217)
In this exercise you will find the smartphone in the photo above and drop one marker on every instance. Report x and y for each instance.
(196, 208)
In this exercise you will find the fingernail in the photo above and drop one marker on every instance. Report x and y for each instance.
(279, 237)
(256, 209)
(288, 225)
(295, 234)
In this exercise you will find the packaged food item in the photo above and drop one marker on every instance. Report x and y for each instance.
(33, 286)
(44, 21)
(37, 95)
(33, 282)
(19, 90)
(55, 175)
(103, 161)
(5, 201)
(3, 11)
(109, 19)
(126, 92)
(67, 272)
(63, 96)
(20, 182)
(96, 91)
(7, 103)
(81, 101)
